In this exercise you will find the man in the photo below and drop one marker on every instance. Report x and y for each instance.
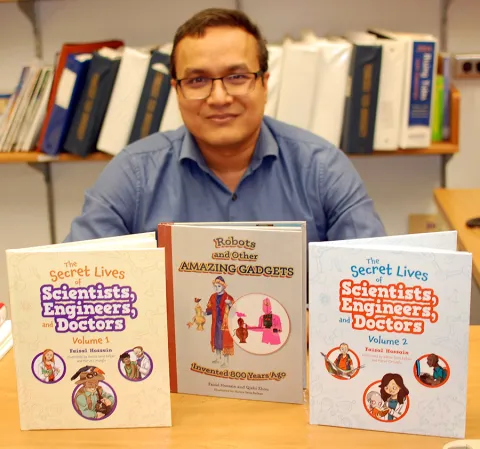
(218, 307)
(130, 368)
(344, 361)
(229, 162)
(439, 373)
(143, 362)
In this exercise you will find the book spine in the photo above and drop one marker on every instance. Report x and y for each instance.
(361, 102)
(446, 72)
(153, 99)
(418, 127)
(164, 240)
(438, 107)
(69, 91)
(83, 134)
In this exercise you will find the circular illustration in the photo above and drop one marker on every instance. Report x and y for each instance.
(342, 362)
(48, 367)
(387, 400)
(135, 364)
(431, 370)
(93, 398)
(258, 323)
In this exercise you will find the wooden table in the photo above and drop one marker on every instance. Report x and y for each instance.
(456, 207)
(201, 422)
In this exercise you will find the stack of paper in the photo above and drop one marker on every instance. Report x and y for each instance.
(6, 340)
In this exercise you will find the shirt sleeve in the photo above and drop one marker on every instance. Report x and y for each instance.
(349, 210)
(109, 207)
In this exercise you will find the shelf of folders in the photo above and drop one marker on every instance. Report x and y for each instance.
(71, 114)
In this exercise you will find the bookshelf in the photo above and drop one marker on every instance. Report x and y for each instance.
(436, 149)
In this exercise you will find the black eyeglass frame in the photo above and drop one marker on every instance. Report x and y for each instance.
(257, 74)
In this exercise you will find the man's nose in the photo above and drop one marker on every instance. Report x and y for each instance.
(218, 95)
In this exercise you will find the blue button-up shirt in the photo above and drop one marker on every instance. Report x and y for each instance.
(293, 175)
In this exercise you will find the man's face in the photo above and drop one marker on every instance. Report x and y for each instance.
(221, 120)
(138, 352)
(219, 288)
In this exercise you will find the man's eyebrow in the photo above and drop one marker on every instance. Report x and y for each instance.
(199, 71)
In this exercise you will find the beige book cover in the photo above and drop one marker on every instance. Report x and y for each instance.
(235, 310)
(90, 335)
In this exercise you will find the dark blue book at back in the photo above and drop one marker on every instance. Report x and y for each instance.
(67, 98)
(154, 97)
(87, 122)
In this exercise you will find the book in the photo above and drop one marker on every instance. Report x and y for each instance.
(389, 334)
(361, 98)
(236, 306)
(90, 112)
(67, 98)
(89, 322)
(418, 86)
(60, 62)
(154, 97)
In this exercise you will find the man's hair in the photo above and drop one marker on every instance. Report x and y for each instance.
(198, 24)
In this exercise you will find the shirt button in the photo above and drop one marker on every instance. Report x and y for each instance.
(234, 197)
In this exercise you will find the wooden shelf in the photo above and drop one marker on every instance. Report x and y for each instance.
(35, 157)
(437, 148)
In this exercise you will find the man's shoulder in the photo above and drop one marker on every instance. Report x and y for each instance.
(157, 144)
(290, 136)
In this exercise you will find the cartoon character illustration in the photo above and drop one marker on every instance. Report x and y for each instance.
(269, 324)
(440, 373)
(394, 393)
(376, 406)
(343, 361)
(342, 366)
(130, 369)
(218, 307)
(199, 317)
(47, 371)
(91, 400)
(143, 362)
(241, 332)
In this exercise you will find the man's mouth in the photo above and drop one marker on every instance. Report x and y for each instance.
(222, 118)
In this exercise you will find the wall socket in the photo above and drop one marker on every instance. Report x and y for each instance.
(466, 66)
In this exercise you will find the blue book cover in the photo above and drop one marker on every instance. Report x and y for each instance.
(67, 98)
(154, 97)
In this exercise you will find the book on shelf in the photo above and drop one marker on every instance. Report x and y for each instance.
(389, 334)
(6, 339)
(90, 334)
(236, 309)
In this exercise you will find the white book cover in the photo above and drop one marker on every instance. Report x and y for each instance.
(333, 65)
(172, 118)
(126, 93)
(90, 334)
(389, 336)
(419, 73)
(297, 90)
(275, 58)
(234, 300)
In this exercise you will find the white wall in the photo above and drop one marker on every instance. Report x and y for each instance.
(399, 185)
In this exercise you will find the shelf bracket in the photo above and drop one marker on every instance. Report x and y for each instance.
(45, 169)
(443, 169)
(28, 8)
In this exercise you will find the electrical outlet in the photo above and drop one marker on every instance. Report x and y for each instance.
(466, 66)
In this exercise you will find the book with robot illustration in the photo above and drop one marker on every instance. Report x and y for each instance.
(236, 309)
(90, 334)
(389, 334)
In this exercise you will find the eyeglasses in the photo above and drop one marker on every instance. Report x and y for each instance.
(200, 87)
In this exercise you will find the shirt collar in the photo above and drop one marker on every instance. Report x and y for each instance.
(266, 146)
